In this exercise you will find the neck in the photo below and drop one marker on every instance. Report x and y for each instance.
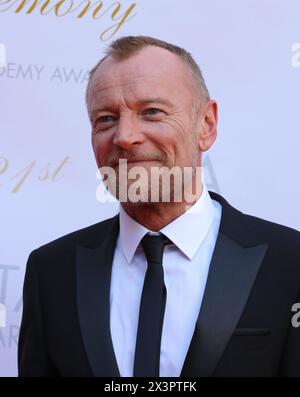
(155, 216)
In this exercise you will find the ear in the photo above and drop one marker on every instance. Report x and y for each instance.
(207, 130)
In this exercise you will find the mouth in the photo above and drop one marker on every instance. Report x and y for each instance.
(136, 162)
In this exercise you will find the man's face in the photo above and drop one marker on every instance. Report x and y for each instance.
(141, 109)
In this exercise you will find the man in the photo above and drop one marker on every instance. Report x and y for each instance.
(168, 287)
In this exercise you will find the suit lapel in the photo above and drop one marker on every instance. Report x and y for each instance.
(93, 266)
(231, 276)
(234, 266)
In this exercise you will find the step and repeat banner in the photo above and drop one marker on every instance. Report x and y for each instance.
(249, 53)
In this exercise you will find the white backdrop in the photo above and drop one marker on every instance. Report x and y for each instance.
(249, 53)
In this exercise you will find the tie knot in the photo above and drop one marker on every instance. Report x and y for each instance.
(153, 247)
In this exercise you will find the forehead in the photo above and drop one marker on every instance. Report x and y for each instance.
(152, 71)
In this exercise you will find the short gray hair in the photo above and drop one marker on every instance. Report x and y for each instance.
(127, 46)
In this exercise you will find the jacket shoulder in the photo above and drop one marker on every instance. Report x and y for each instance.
(88, 236)
(249, 229)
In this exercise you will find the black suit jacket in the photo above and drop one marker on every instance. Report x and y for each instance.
(244, 326)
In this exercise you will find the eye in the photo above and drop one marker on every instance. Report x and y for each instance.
(152, 112)
(105, 119)
(103, 122)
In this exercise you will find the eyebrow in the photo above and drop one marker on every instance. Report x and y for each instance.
(155, 100)
(145, 101)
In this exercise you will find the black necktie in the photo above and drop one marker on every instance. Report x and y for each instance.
(152, 308)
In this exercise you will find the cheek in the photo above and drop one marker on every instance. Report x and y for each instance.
(101, 148)
(167, 138)
(178, 133)
(171, 130)
(177, 123)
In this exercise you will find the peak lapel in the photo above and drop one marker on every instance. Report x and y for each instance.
(231, 276)
(93, 266)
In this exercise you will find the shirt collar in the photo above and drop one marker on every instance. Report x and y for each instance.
(187, 232)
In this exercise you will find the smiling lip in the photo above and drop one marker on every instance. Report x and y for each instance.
(135, 162)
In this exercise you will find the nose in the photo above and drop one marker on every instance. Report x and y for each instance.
(128, 133)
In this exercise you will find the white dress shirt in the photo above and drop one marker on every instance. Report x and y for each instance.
(186, 264)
